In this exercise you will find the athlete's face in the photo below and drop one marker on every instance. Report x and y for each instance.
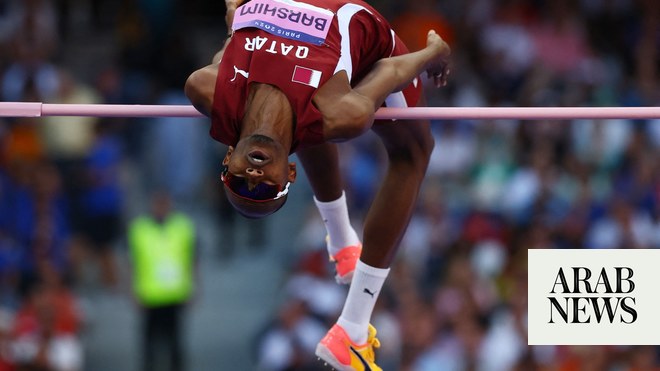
(258, 168)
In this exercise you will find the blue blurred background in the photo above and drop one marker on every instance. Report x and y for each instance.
(456, 297)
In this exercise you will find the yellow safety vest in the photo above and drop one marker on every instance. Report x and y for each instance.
(163, 259)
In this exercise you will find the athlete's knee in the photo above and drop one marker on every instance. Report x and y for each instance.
(428, 145)
(423, 146)
(354, 119)
(411, 148)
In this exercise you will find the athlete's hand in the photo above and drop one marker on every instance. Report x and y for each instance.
(231, 8)
(438, 66)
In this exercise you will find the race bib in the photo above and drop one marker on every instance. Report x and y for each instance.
(286, 18)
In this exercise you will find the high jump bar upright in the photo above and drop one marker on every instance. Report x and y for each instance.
(38, 109)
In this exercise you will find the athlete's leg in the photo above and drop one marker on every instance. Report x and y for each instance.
(349, 112)
(409, 145)
(321, 165)
(350, 342)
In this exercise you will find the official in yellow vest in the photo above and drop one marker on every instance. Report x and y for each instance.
(162, 250)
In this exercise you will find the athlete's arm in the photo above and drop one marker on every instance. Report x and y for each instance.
(349, 112)
(200, 86)
(231, 6)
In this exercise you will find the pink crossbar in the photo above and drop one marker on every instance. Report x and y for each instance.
(37, 109)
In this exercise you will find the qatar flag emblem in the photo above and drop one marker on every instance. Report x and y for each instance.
(306, 76)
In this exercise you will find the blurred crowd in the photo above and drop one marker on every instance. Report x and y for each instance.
(456, 298)
(64, 181)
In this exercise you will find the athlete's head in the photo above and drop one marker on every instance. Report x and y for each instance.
(257, 176)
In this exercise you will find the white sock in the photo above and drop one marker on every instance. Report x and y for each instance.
(362, 295)
(337, 224)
